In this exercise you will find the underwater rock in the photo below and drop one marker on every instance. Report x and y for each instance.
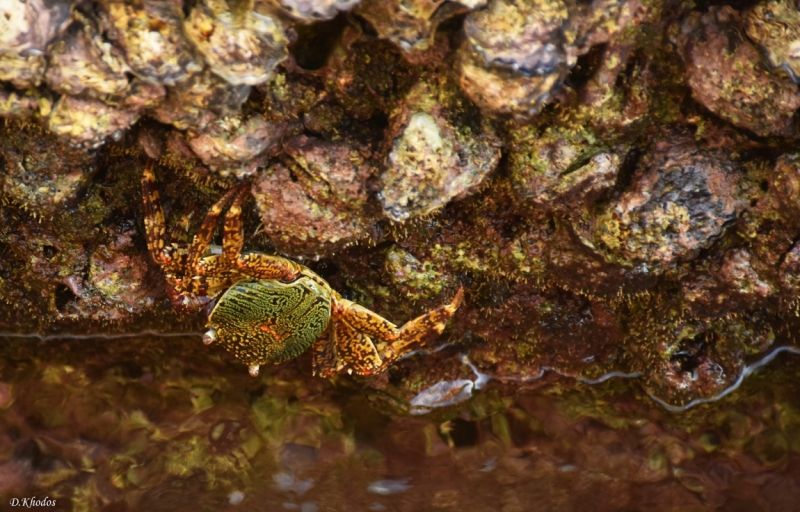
(26, 27)
(726, 76)
(317, 204)
(775, 26)
(432, 160)
(683, 196)
(238, 44)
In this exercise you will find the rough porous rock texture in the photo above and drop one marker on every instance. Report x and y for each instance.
(615, 183)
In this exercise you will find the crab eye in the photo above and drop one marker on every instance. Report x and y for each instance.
(210, 336)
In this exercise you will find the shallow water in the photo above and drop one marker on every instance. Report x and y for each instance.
(154, 423)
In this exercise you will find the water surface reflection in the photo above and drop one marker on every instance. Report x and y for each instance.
(99, 426)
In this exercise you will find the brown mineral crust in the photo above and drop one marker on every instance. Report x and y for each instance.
(682, 198)
(149, 34)
(25, 30)
(547, 330)
(774, 25)
(726, 76)
(578, 267)
(237, 146)
(317, 207)
(42, 174)
(731, 284)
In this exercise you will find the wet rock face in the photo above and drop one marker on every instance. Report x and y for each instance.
(681, 200)
(725, 74)
(43, 181)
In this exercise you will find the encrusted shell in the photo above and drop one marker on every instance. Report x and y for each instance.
(232, 145)
(309, 11)
(775, 26)
(410, 24)
(239, 44)
(432, 159)
(149, 33)
(79, 62)
(683, 197)
(726, 76)
(26, 27)
(200, 100)
(513, 55)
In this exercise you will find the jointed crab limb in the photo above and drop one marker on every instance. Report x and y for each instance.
(206, 230)
(154, 224)
(363, 322)
(323, 360)
(354, 350)
(233, 229)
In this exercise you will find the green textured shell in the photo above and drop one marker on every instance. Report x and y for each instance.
(265, 321)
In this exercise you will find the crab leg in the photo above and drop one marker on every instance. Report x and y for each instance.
(203, 237)
(401, 341)
(233, 229)
(154, 225)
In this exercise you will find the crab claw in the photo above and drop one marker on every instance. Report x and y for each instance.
(210, 336)
(253, 370)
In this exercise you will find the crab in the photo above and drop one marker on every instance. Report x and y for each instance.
(267, 309)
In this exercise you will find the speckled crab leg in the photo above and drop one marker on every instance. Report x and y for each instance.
(154, 224)
(203, 237)
(401, 341)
